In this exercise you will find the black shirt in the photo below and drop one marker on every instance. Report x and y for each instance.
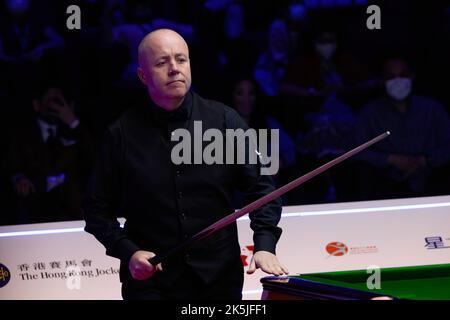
(164, 203)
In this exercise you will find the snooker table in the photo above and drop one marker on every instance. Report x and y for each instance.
(430, 282)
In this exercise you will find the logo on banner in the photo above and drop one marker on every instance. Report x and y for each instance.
(246, 255)
(5, 275)
(339, 249)
(432, 243)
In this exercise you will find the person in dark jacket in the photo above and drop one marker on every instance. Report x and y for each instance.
(49, 158)
(417, 155)
(166, 203)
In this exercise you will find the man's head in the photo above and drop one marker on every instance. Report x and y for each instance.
(326, 45)
(164, 67)
(398, 79)
(45, 100)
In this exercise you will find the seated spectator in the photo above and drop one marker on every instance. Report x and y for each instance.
(48, 159)
(244, 100)
(315, 92)
(250, 108)
(328, 135)
(327, 71)
(284, 37)
(402, 165)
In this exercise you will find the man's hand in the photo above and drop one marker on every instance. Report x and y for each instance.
(24, 187)
(139, 266)
(407, 164)
(64, 111)
(268, 263)
(417, 163)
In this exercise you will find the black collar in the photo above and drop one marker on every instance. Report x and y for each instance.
(182, 113)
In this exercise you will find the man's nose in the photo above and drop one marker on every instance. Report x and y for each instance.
(173, 68)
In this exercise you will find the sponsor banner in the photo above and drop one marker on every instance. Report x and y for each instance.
(56, 261)
(355, 236)
(61, 261)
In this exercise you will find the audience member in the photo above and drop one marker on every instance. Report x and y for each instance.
(49, 158)
(402, 165)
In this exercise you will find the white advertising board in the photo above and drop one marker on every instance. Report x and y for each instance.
(61, 261)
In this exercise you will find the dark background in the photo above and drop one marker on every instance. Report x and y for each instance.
(90, 66)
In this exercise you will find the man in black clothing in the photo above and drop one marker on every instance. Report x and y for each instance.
(49, 158)
(165, 203)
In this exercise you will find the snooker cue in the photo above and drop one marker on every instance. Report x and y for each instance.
(227, 220)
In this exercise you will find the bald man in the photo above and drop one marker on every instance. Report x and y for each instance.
(164, 68)
(165, 204)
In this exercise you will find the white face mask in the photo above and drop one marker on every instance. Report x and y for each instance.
(399, 88)
(326, 50)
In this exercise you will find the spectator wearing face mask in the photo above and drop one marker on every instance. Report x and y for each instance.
(322, 77)
(326, 70)
(403, 164)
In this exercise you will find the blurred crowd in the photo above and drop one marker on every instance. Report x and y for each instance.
(315, 73)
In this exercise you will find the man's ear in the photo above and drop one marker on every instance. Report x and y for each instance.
(141, 75)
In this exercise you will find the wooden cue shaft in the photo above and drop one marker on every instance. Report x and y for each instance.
(222, 223)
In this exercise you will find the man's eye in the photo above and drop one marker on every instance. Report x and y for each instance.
(160, 64)
(181, 60)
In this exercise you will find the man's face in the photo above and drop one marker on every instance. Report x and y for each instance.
(326, 45)
(46, 106)
(165, 68)
(397, 69)
(398, 80)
